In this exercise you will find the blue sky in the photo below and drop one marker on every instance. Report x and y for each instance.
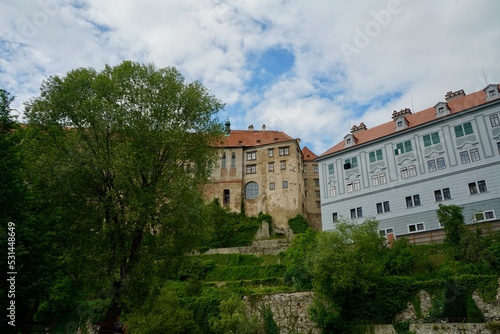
(309, 68)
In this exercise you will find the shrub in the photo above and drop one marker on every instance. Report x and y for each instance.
(298, 224)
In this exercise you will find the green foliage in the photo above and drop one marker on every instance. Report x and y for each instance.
(163, 314)
(452, 220)
(118, 156)
(245, 272)
(400, 258)
(299, 260)
(270, 326)
(230, 229)
(298, 224)
(233, 318)
(401, 327)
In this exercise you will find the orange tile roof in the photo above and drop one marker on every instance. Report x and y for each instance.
(428, 115)
(246, 138)
(308, 154)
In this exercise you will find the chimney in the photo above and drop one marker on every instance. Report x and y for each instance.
(263, 128)
(454, 95)
(360, 128)
(250, 128)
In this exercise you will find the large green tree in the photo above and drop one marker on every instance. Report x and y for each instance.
(347, 265)
(119, 155)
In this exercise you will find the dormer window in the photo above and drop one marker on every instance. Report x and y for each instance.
(349, 140)
(400, 120)
(442, 109)
(492, 92)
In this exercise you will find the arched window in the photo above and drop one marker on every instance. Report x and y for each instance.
(224, 160)
(233, 161)
(251, 190)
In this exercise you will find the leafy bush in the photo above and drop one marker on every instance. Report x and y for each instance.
(298, 224)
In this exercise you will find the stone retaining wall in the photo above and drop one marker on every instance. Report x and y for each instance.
(258, 247)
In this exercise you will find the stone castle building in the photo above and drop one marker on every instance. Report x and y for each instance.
(263, 171)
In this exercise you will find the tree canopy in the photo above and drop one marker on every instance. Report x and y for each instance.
(119, 154)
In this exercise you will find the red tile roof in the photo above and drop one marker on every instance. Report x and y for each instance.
(428, 115)
(308, 154)
(247, 138)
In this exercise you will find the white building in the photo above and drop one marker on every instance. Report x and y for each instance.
(400, 171)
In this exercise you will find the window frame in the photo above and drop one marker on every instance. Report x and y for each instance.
(252, 156)
(416, 227)
(284, 150)
(250, 169)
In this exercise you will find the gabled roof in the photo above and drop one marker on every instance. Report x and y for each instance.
(249, 138)
(308, 154)
(425, 116)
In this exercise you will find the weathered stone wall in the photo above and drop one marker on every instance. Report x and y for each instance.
(259, 247)
(290, 311)
(466, 328)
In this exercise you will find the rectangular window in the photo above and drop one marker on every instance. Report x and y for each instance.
(351, 163)
(284, 150)
(357, 185)
(317, 193)
(305, 182)
(333, 191)
(383, 207)
(387, 231)
(498, 147)
(282, 165)
(484, 216)
(474, 155)
(251, 169)
(382, 179)
(356, 213)
(375, 156)
(272, 186)
(251, 156)
(442, 194)
(404, 147)
(479, 187)
(404, 173)
(482, 186)
(316, 182)
(464, 157)
(431, 164)
(285, 184)
(494, 120)
(431, 139)
(335, 217)
(472, 188)
(330, 169)
(440, 163)
(315, 169)
(446, 193)
(412, 228)
(270, 152)
(463, 129)
(410, 171)
(412, 201)
(350, 187)
(271, 166)
(375, 180)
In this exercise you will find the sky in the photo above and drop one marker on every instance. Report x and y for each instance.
(310, 68)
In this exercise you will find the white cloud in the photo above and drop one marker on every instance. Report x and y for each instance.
(411, 51)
